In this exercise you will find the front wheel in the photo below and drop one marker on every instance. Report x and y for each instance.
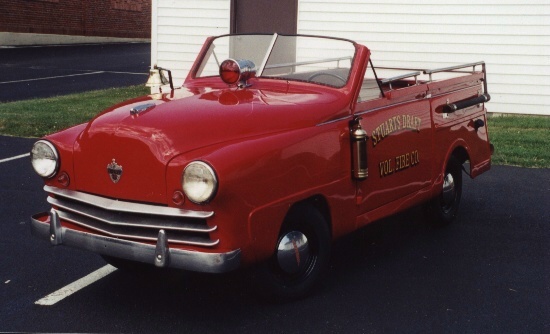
(443, 209)
(301, 256)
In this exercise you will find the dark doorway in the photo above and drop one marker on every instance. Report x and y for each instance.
(264, 16)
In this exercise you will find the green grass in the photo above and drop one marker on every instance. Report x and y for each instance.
(518, 140)
(38, 117)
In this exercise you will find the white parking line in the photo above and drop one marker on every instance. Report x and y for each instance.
(68, 290)
(14, 158)
(118, 72)
(56, 77)
(70, 75)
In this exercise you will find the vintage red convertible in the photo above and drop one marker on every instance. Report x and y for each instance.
(273, 147)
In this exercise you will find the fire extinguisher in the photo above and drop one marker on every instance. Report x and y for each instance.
(358, 135)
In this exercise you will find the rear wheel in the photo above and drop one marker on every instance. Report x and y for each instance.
(301, 256)
(443, 209)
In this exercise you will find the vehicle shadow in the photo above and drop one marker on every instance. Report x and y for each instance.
(361, 261)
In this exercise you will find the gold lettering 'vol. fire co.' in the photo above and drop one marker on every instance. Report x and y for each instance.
(399, 163)
(396, 123)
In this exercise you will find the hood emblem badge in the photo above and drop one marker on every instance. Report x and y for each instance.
(115, 171)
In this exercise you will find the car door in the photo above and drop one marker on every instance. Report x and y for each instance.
(399, 144)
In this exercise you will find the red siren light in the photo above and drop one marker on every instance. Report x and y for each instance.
(237, 71)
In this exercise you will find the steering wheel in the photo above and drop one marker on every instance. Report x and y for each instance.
(317, 74)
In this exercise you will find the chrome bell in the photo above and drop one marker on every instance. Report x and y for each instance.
(157, 77)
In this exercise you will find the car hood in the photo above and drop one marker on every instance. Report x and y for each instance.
(143, 135)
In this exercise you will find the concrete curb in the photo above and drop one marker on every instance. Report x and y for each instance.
(24, 39)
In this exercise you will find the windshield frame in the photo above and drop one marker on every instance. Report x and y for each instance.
(208, 52)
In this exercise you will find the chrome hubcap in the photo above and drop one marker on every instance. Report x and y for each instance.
(449, 192)
(293, 252)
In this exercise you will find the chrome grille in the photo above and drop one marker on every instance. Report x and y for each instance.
(132, 221)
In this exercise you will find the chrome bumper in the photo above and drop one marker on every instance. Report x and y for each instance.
(160, 254)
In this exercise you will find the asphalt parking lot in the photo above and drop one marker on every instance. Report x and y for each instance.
(44, 71)
(489, 272)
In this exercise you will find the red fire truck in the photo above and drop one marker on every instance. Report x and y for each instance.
(273, 147)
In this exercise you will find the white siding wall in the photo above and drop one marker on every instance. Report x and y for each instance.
(511, 36)
(179, 29)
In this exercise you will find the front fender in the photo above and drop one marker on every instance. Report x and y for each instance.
(64, 142)
(260, 178)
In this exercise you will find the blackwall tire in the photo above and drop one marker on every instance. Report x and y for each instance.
(284, 278)
(443, 209)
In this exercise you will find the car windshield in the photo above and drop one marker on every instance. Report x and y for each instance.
(320, 60)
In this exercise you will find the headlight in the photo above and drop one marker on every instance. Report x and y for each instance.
(199, 182)
(45, 159)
